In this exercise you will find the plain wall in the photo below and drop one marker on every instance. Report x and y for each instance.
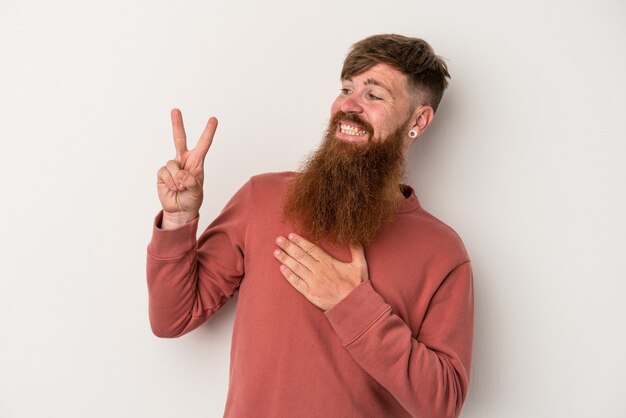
(525, 159)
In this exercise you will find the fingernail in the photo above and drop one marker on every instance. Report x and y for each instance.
(280, 240)
(276, 253)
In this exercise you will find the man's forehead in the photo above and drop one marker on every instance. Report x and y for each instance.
(380, 75)
(383, 76)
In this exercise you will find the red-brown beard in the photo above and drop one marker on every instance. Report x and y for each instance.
(346, 191)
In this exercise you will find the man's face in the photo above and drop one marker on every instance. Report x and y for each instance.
(374, 104)
(349, 187)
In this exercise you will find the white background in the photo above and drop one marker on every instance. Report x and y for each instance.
(525, 160)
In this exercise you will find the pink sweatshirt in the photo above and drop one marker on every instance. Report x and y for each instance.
(399, 345)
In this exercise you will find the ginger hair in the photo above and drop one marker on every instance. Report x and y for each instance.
(427, 73)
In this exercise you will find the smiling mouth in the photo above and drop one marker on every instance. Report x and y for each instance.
(351, 130)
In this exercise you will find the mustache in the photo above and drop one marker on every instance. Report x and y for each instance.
(350, 117)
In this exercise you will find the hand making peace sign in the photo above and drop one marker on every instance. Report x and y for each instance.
(179, 182)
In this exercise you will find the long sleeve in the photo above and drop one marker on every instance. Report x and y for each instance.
(189, 279)
(427, 370)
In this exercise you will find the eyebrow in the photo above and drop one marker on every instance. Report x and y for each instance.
(373, 81)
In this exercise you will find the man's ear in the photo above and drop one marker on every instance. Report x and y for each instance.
(422, 116)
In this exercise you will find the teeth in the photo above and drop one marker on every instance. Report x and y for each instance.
(351, 130)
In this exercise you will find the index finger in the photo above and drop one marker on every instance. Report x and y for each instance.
(315, 252)
(178, 129)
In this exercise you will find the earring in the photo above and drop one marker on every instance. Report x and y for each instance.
(413, 133)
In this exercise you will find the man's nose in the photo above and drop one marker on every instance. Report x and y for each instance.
(351, 105)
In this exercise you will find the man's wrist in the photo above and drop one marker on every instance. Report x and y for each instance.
(177, 219)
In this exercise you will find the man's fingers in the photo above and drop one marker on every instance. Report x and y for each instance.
(359, 261)
(187, 181)
(164, 176)
(183, 179)
(295, 251)
(173, 166)
(180, 138)
(292, 263)
(313, 250)
(206, 139)
(296, 281)
(178, 130)
(358, 255)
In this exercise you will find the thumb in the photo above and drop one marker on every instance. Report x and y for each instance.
(189, 182)
(359, 261)
(358, 255)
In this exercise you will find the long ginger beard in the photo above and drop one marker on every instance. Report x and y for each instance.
(346, 191)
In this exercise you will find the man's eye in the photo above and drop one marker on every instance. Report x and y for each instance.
(345, 91)
(372, 97)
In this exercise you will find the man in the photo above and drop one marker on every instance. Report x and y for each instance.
(353, 300)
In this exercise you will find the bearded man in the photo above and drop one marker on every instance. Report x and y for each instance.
(353, 300)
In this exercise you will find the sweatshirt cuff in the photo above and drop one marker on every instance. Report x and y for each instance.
(172, 243)
(357, 312)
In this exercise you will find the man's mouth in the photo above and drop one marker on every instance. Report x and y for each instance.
(351, 132)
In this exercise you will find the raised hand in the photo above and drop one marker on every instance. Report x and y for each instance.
(179, 181)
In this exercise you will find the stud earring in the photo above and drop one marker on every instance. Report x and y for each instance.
(413, 133)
